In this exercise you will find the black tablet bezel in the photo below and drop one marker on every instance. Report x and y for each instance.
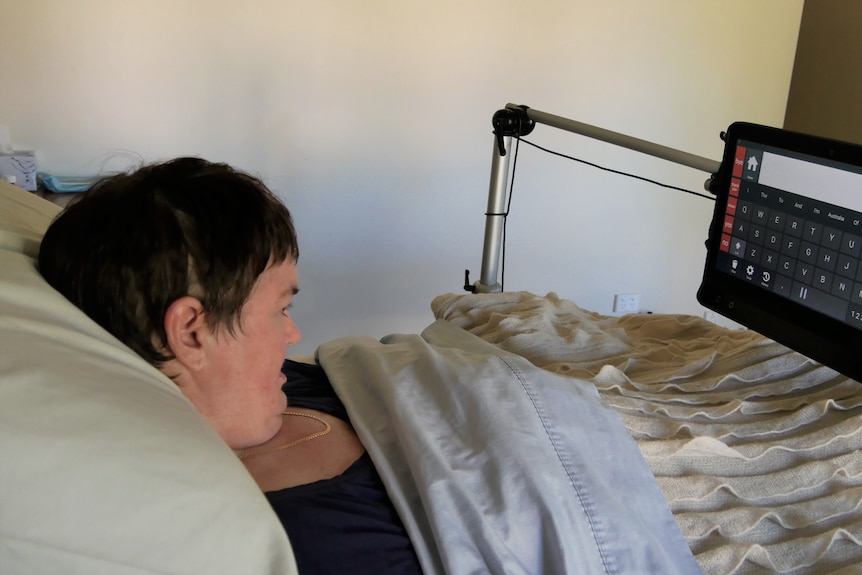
(818, 336)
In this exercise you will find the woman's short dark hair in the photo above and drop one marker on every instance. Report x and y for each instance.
(136, 242)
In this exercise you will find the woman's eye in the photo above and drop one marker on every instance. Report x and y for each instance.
(286, 309)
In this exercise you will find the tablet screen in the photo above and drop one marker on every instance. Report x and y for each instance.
(784, 255)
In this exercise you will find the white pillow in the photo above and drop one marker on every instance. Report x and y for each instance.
(105, 467)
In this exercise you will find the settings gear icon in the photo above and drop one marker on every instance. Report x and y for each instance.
(749, 270)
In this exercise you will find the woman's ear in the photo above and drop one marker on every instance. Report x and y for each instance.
(186, 327)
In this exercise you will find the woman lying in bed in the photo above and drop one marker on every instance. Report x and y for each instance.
(495, 466)
(193, 266)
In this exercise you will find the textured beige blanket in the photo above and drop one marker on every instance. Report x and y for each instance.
(756, 447)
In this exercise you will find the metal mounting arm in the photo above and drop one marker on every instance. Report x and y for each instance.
(517, 120)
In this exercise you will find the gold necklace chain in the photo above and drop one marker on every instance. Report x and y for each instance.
(262, 450)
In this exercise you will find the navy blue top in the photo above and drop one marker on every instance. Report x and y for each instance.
(346, 524)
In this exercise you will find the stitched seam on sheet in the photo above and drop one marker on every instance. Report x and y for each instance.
(573, 479)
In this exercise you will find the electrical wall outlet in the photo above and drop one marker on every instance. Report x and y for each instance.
(627, 302)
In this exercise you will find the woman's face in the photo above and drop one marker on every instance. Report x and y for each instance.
(242, 387)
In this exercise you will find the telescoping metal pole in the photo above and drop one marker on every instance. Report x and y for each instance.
(508, 122)
(494, 220)
(636, 144)
(515, 120)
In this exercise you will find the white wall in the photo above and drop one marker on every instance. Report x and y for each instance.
(372, 120)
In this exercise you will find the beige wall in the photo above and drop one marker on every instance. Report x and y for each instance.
(372, 119)
(826, 89)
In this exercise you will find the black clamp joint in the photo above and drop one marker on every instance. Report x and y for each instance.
(512, 121)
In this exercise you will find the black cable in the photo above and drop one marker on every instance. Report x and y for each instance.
(505, 214)
(621, 173)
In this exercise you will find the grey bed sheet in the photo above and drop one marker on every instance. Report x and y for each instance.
(497, 466)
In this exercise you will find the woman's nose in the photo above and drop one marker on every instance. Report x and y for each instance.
(293, 333)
